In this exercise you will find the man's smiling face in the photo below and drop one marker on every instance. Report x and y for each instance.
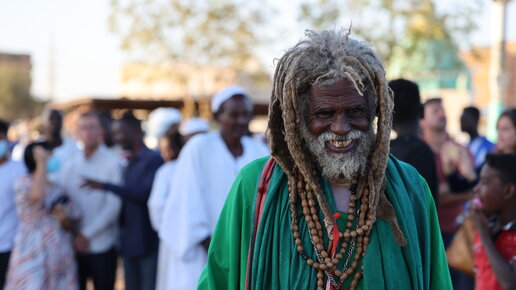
(338, 129)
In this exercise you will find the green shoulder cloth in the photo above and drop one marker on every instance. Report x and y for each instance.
(421, 264)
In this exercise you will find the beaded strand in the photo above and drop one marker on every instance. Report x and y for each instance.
(326, 265)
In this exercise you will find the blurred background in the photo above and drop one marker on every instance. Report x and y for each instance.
(140, 55)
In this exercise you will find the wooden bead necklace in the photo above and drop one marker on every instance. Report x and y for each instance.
(357, 239)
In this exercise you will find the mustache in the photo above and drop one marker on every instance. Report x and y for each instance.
(330, 136)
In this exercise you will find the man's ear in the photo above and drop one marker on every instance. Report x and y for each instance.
(509, 191)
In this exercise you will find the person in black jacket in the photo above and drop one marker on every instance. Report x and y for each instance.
(408, 146)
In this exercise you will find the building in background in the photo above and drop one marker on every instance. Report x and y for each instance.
(190, 84)
(21, 61)
(194, 86)
(478, 61)
(15, 82)
(440, 72)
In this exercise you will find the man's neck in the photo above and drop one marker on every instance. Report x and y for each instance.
(341, 195)
(343, 182)
(234, 145)
(90, 150)
(472, 135)
(136, 148)
(435, 139)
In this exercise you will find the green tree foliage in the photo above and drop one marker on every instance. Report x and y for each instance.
(230, 32)
(396, 28)
(198, 32)
(15, 98)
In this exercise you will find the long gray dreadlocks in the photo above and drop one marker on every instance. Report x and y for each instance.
(322, 59)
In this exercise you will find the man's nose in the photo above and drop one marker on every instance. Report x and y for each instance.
(340, 125)
(243, 119)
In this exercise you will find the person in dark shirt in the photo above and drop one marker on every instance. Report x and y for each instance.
(138, 240)
(408, 146)
(478, 145)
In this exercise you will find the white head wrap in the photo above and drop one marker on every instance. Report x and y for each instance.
(225, 94)
(194, 125)
(161, 119)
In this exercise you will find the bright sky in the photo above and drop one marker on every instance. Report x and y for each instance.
(87, 57)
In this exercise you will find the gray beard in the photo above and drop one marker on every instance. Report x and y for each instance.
(343, 166)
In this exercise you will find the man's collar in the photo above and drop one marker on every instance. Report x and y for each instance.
(100, 148)
(140, 152)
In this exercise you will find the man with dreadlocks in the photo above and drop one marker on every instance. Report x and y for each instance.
(331, 209)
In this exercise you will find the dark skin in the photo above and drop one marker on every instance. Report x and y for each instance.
(52, 125)
(129, 138)
(234, 118)
(338, 108)
(497, 199)
(469, 125)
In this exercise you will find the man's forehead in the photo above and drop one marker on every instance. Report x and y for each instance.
(342, 90)
(342, 84)
(89, 119)
(488, 172)
(433, 106)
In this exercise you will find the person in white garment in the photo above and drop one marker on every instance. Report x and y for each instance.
(63, 149)
(160, 120)
(97, 235)
(192, 127)
(169, 146)
(10, 171)
(208, 164)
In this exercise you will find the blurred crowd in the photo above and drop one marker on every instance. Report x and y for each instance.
(70, 208)
(454, 171)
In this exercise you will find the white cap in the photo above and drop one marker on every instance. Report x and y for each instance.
(161, 119)
(194, 125)
(225, 94)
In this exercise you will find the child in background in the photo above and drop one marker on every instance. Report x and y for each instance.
(494, 214)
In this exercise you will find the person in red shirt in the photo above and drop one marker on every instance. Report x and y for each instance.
(494, 215)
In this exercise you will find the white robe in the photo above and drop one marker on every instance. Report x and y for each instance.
(156, 204)
(159, 193)
(205, 172)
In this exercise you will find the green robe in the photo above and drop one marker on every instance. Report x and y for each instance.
(421, 264)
